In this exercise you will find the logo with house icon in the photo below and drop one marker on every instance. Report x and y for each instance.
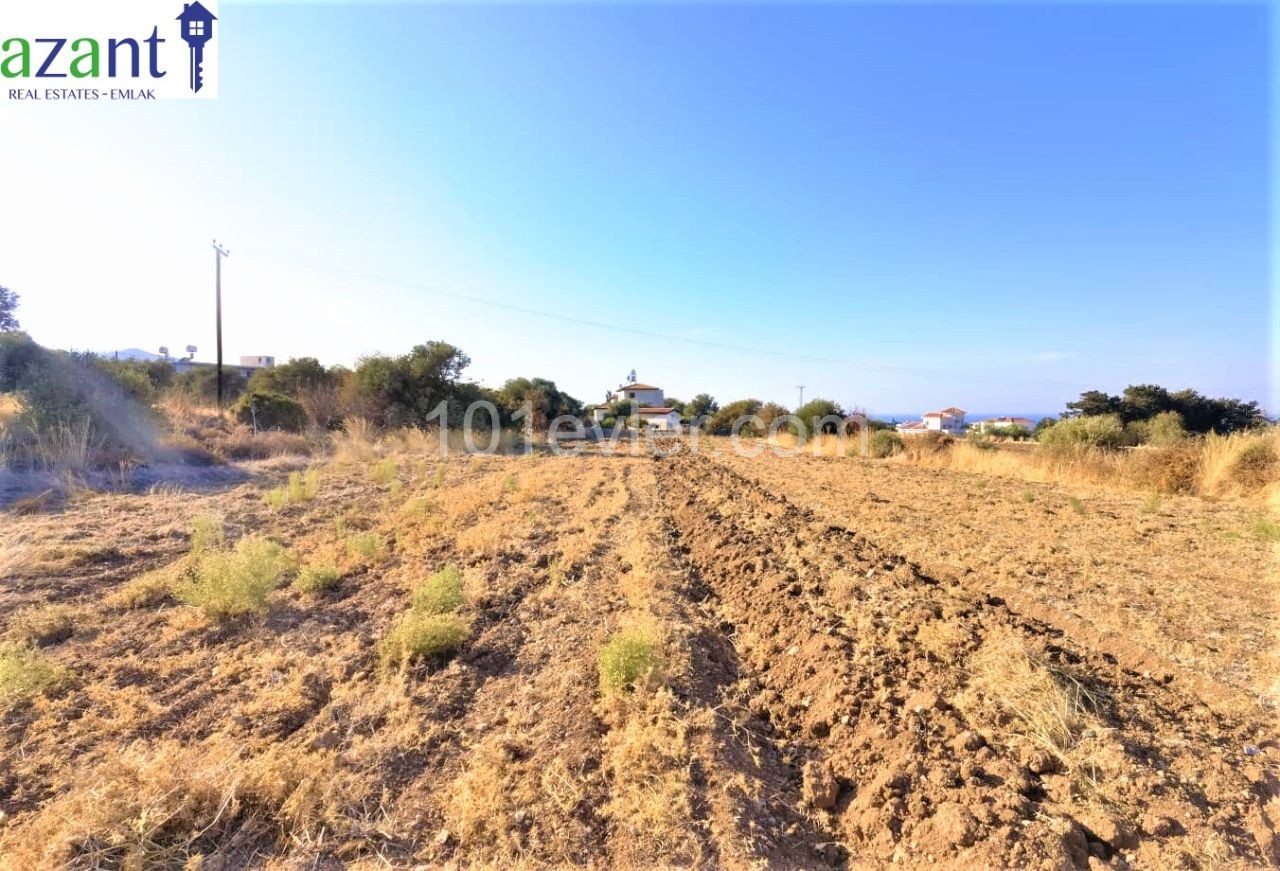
(197, 30)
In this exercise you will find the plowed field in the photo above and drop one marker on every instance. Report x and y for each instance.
(856, 664)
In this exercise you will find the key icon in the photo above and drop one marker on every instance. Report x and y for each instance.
(197, 29)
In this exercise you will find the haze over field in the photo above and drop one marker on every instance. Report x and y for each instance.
(1048, 199)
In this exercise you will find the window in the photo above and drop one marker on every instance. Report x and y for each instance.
(195, 28)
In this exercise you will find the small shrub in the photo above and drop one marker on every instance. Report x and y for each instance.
(438, 480)
(627, 661)
(383, 472)
(1028, 496)
(226, 584)
(264, 410)
(300, 489)
(1151, 504)
(885, 443)
(441, 593)
(317, 579)
(25, 672)
(510, 484)
(207, 534)
(1099, 431)
(417, 635)
(1076, 505)
(365, 546)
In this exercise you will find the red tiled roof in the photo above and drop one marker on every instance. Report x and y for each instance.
(654, 410)
(638, 387)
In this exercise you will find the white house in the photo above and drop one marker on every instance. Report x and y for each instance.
(1025, 423)
(642, 394)
(949, 420)
(246, 367)
(650, 399)
(912, 427)
(666, 419)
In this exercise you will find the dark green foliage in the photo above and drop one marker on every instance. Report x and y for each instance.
(723, 420)
(264, 410)
(771, 411)
(885, 443)
(811, 414)
(200, 384)
(404, 390)
(61, 392)
(545, 401)
(8, 304)
(1142, 402)
(704, 404)
(297, 378)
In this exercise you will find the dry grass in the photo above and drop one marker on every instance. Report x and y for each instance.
(146, 590)
(1243, 465)
(647, 755)
(42, 625)
(165, 805)
(16, 553)
(383, 472)
(357, 443)
(1050, 708)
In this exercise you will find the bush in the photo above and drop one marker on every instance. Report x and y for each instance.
(366, 546)
(627, 661)
(442, 592)
(200, 384)
(1171, 469)
(926, 444)
(418, 635)
(75, 409)
(1098, 431)
(226, 584)
(317, 579)
(25, 671)
(1255, 465)
(270, 411)
(885, 443)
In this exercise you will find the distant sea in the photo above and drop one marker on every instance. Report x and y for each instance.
(969, 416)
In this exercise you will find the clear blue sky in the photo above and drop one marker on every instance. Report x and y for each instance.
(1045, 198)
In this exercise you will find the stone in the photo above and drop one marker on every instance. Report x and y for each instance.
(820, 787)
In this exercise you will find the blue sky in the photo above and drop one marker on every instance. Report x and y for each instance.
(1015, 202)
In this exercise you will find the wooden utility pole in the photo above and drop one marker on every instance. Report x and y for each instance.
(220, 252)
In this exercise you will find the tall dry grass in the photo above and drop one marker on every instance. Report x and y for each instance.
(1240, 465)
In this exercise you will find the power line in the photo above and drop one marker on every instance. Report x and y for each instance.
(709, 343)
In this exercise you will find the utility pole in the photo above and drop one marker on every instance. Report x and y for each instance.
(801, 386)
(220, 252)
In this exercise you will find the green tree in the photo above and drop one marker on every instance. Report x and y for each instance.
(704, 404)
(404, 390)
(771, 411)
(546, 402)
(1144, 401)
(722, 421)
(8, 304)
(811, 414)
(1093, 403)
(297, 378)
(200, 384)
